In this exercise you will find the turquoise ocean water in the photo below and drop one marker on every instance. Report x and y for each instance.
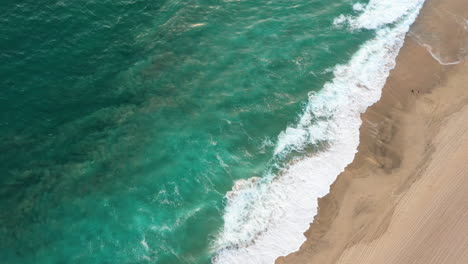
(124, 123)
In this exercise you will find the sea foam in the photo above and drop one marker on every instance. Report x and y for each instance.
(266, 217)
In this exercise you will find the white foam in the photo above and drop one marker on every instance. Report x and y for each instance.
(144, 244)
(378, 13)
(358, 7)
(436, 55)
(266, 217)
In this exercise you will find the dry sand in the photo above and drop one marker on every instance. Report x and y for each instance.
(404, 199)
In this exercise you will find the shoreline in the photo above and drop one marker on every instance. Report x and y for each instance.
(371, 205)
(275, 211)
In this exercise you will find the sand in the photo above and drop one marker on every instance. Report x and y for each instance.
(404, 198)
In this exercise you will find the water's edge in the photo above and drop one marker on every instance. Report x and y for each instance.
(266, 218)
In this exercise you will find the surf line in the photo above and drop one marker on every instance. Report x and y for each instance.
(266, 217)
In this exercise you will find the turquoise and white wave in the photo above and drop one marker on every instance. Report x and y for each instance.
(266, 218)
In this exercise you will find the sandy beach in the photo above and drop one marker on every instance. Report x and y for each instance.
(404, 197)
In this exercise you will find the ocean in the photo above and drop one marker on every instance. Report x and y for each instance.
(168, 131)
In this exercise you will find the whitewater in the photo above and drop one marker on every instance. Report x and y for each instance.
(265, 217)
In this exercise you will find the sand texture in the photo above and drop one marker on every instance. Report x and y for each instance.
(404, 198)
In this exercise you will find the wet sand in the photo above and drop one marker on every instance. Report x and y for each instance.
(404, 198)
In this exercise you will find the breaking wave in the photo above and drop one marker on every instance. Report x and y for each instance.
(266, 217)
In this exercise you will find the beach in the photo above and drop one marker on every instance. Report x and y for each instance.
(403, 198)
(199, 132)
